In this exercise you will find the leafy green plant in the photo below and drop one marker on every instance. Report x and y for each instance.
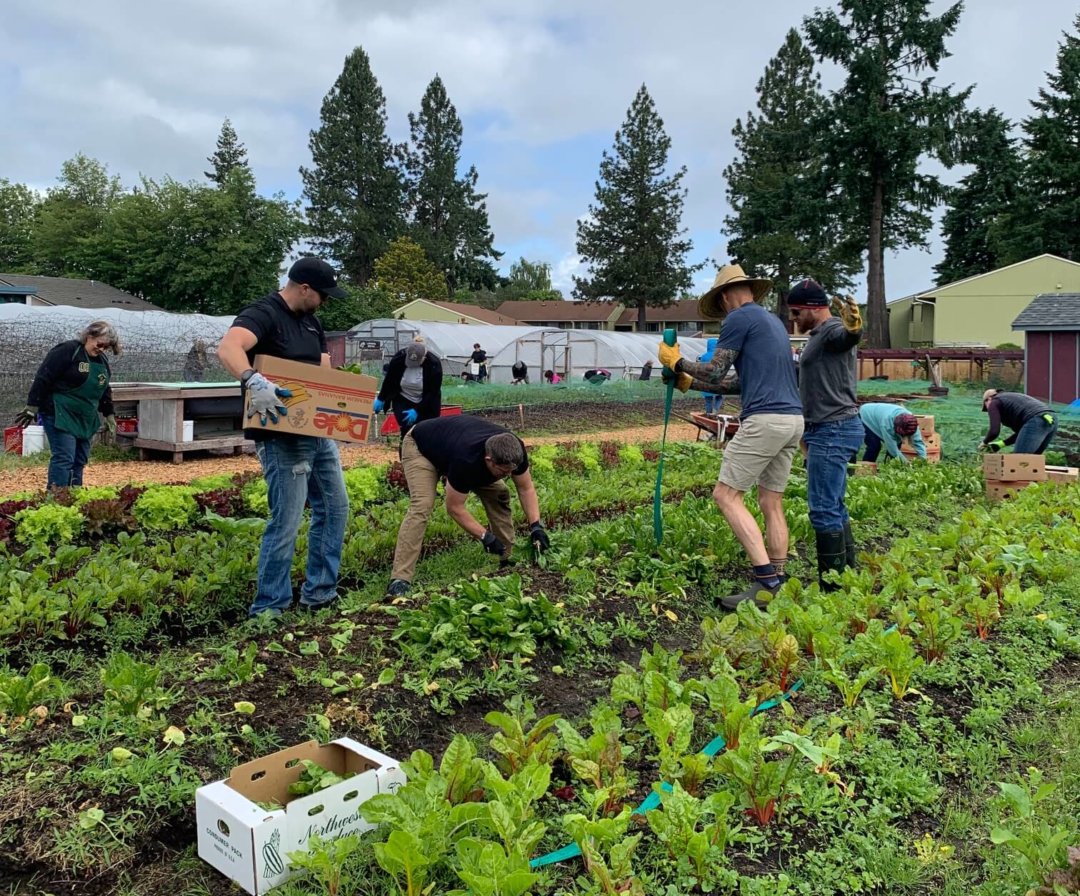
(725, 698)
(166, 507)
(607, 851)
(314, 778)
(234, 666)
(51, 523)
(1039, 846)
(19, 694)
(935, 627)
(850, 687)
(518, 741)
(490, 869)
(130, 686)
(363, 484)
(600, 758)
(695, 832)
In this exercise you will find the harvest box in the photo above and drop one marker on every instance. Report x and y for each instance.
(1062, 474)
(330, 403)
(926, 424)
(1025, 467)
(864, 468)
(250, 844)
(999, 489)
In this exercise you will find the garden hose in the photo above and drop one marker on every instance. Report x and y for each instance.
(669, 392)
(652, 801)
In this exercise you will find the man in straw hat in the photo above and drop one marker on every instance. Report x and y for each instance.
(1032, 422)
(771, 424)
(828, 382)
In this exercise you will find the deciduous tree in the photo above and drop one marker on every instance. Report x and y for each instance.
(632, 240)
(789, 217)
(354, 188)
(889, 117)
(405, 273)
(18, 204)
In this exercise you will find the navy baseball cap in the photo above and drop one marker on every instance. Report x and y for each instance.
(807, 294)
(317, 274)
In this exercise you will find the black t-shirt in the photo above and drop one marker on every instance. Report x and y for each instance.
(455, 447)
(479, 356)
(281, 333)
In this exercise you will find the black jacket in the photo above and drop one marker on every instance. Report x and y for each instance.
(430, 405)
(1013, 409)
(59, 372)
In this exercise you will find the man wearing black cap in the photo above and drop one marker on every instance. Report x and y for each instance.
(297, 468)
(828, 383)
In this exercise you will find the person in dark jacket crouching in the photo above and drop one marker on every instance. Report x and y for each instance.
(412, 387)
(69, 391)
(1032, 422)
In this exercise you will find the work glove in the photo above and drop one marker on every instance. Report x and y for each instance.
(669, 355)
(539, 537)
(492, 545)
(265, 398)
(683, 381)
(110, 423)
(1049, 418)
(378, 405)
(26, 416)
(410, 417)
(995, 446)
(848, 311)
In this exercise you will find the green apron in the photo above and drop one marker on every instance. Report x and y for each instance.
(77, 410)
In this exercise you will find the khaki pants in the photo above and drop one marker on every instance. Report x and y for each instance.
(422, 479)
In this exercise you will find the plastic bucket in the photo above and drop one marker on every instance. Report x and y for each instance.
(33, 440)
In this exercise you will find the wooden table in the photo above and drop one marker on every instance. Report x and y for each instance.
(215, 410)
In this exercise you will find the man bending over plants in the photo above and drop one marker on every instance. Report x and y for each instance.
(474, 456)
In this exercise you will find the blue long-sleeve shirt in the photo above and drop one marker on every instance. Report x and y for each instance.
(880, 419)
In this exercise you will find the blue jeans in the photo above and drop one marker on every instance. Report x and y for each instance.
(829, 448)
(69, 455)
(299, 469)
(1035, 435)
(713, 402)
(873, 444)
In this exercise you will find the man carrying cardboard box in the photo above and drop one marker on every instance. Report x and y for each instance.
(297, 468)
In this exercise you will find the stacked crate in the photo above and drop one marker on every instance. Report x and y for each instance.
(863, 468)
(931, 439)
(1006, 474)
(1062, 475)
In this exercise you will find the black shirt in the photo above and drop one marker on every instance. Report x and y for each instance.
(281, 333)
(1013, 409)
(455, 447)
(65, 369)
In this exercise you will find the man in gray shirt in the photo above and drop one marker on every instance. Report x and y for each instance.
(828, 383)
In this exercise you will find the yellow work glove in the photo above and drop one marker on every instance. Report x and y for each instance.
(683, 381)
(848, 311)
(669, 355)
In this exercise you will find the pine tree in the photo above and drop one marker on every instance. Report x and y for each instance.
(978, 204)
(886, 123)
(229, 155)
(788, 221)
(1046, 215)
(354, 189)
(632, 239)
(449, 217)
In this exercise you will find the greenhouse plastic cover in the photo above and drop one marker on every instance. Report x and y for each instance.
(568, 352)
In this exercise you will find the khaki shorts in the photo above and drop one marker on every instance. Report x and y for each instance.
(761, 452)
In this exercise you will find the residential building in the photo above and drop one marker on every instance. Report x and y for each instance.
(682, 316)
(27, 289)
(978, 310)
(452, 312)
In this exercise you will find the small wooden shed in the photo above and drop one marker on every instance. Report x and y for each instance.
(1051, 327)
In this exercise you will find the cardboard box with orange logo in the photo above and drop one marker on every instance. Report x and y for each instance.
(325, 402)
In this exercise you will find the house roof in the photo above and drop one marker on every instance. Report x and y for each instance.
(478, 313)
(543, 312)
(682, 310)
(933, 291)
(77, 293)
(1050, 311)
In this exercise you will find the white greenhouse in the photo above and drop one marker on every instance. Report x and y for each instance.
(570, 353)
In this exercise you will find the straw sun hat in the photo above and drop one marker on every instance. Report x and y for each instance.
(730, 274)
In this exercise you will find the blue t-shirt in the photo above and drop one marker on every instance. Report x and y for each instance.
(766, 371)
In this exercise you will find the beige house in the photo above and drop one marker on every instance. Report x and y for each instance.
(451, 313)
(979, 310)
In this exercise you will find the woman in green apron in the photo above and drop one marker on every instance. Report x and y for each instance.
(70, 390)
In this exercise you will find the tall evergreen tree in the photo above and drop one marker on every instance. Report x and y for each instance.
(788, 219)
(888, 118)
(354, 189)
(230, 154)
(632, 239)
(1046, 216)
(449, 217)
(978, 204)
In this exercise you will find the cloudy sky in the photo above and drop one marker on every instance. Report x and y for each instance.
(540, 85)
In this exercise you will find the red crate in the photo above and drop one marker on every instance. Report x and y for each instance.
(129, 426)
(390, 426)
(13, 440)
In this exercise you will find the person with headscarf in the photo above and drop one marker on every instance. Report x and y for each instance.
(70, 390)
(889, 425)
(412, 386)
(1032, 422)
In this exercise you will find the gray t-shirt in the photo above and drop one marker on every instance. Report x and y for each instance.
(828, 373)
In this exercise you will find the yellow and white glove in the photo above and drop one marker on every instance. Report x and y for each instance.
(848, 311)
(669, 355)
(683, 381)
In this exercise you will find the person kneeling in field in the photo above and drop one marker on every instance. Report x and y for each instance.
(474, 456)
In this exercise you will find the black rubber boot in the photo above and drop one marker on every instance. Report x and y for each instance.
(831, 554)
(849, 545)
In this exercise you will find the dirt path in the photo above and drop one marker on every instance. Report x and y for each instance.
(32, 478)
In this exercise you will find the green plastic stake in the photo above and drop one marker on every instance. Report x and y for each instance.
(670, 338)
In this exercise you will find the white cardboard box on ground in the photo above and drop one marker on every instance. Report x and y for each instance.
(250, 845)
